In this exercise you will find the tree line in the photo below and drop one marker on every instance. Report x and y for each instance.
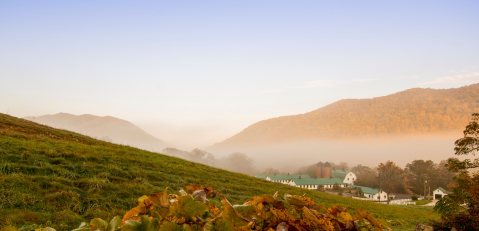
(235, 162)
(390, 177)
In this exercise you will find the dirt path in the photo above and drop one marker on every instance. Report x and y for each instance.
(432, 203)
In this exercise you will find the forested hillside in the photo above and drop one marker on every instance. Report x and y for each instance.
(414, 111)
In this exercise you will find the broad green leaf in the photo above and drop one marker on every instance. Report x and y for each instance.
(115, 224)
(163, 212)
(83, 227)
(149, 224)
(98, 224)
(209, 226)
(223, 225)
(191, 207)
(132, 225)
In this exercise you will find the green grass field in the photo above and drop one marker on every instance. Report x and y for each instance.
(59, 178)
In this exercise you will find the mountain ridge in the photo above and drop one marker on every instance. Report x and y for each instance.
(412, 111)
(107, 128)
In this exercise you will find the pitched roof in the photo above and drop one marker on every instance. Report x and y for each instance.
(442, 190)
(289, 177)
(341, 174)
(365, 189)
(263, 176)
(317, 181)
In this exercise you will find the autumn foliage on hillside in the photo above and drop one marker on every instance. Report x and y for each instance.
(191, 210)
(414, 111)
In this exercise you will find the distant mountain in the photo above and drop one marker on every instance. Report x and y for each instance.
(414, 111)
(106, 128)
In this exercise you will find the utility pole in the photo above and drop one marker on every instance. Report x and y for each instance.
(379, 186)
(425, 182)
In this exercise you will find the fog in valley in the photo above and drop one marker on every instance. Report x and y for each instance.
(288, 157)
(371, 152)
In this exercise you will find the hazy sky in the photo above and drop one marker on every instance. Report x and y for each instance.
(197, 72)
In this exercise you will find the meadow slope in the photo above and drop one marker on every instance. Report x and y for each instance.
(59, 178)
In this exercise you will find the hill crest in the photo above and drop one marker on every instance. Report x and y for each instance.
(413, 111)
(107, 128)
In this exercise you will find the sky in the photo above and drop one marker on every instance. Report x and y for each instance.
(197, 72)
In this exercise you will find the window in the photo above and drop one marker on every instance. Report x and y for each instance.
(384, 197)
(348, 178)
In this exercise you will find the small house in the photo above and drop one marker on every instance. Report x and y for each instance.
(440, 193)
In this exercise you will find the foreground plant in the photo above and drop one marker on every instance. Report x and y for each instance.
(460, 209)
(191, 210)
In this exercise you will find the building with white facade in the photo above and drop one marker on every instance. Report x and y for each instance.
(440, 193)
(326, 177)
(373, 194)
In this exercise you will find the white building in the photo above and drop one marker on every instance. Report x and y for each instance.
(326, 177)
(372, 193)
(346, 176)
(440, 193)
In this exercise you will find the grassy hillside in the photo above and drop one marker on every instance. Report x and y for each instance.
(414, 111)
(59, 178)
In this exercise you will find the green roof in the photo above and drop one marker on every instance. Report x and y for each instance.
(289, 177)
(443, 190)
(365, 189)
(263, 176)
(317, 181)
(341, 174)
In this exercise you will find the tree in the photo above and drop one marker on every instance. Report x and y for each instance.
(466, 188)
(418, 172)
(359, 192)
(365, 176)
(389, 172)
(336, 187)
(340, 166)
(273, 171)
(308, 169)
(198, 154)
(240, 162)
